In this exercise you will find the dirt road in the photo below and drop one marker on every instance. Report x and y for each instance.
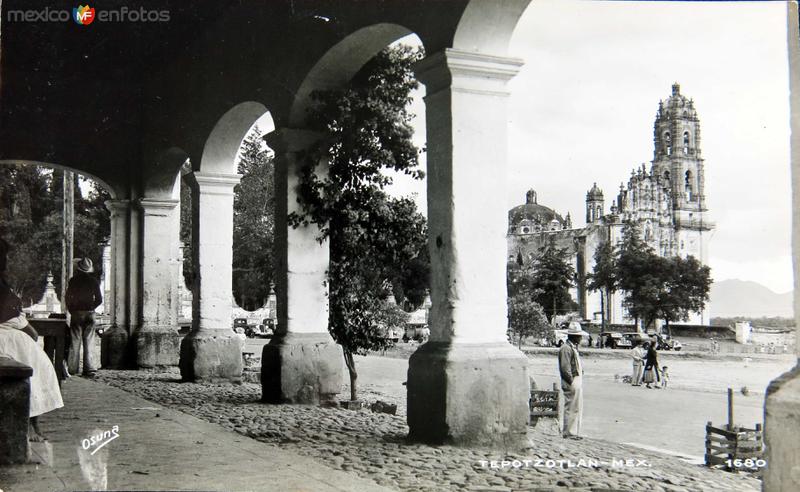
(673, 419)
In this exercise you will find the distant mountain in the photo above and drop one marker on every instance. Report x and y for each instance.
(745, 298)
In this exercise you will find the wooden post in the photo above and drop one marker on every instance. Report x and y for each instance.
(730, 409)
(68, 234)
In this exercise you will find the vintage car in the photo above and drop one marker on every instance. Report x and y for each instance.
(560, 336)
(240, 323)
(265, 329)
(614, 340)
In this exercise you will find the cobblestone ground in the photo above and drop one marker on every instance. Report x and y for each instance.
(374, 445)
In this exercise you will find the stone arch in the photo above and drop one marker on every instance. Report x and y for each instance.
(114, 192)
(163, 181)
(338, 65)
(222, 145)
(486, 26)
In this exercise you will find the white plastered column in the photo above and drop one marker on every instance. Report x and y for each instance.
(211, 352)
(157, 340)
(114, 344)
(301, 364)
(468, 385)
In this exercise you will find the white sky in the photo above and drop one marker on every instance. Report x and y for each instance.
(582, 110)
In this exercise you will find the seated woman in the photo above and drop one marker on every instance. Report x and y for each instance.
(18, 341)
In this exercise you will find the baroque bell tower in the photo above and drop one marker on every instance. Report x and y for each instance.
(679, 167)
(676, 154)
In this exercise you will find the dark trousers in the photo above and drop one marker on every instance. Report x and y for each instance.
(81, 330)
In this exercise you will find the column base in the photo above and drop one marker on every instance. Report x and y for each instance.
(211, 358)
(15, 397)
(782, 432)
(301, 368)
(115, 349)
(469, 395)
(157, 348)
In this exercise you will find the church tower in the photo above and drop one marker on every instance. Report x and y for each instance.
(594, 204)
(676, 155)
(679, 168)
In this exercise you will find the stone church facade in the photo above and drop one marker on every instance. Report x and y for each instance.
(667, 200)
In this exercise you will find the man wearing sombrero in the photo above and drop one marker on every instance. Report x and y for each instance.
(83, 296)
(569, 365)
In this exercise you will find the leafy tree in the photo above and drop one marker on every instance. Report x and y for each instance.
(553, 276)
(687, 285)
(526, 318)
(604, 276)
(634, 267)
(186, 225)
(657, 287)
(253, 223)
(377, 243)
(31, 210)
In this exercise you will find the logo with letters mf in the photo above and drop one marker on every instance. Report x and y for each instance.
(83, 15)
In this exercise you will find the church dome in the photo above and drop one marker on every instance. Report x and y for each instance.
(677, 105)
(533, 214)
(595, 193)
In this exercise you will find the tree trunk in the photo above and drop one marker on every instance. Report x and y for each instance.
(603, 310)
(68, 226)
(351, 368)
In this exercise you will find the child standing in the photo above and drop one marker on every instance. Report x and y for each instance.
(664, 376)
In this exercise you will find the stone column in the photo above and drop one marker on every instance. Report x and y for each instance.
(211, 352)
(115, 353)
(105, 282)
(157, 340)
(782, 407)
(302, 363)
(467, 385)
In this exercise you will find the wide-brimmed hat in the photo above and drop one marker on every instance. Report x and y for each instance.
(574, 328)
(85, 265)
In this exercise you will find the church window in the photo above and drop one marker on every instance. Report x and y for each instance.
(688, 186)
(526, 230)
(666, 176)
(685, 142)
(668, 140)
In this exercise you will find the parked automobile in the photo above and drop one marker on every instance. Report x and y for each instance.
(614, 340)
(635, 337)
(665, 342)
(419, 333)
(240, 323)
(393, 334)
(266, 329)
(560, 336)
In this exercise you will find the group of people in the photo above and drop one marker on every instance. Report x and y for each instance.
(18, 339)
(646, 371)
(645, 366)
